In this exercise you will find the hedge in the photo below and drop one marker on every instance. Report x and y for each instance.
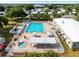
(49, 53)
(40, 17)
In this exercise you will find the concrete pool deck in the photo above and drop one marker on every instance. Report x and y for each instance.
(29, 46)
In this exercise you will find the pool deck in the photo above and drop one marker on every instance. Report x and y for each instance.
(29, 47)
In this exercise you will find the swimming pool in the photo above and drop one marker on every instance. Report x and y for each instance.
(22, 44)
(35, 27)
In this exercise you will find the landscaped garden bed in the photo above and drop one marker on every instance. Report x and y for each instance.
(49, 53)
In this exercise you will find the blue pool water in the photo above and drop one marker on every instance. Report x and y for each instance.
(22, 44)
(35, 27)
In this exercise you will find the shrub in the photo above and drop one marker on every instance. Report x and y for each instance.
(49, 53)
(52, 53)
(40, 17)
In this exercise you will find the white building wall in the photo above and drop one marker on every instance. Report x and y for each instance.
(68, 39)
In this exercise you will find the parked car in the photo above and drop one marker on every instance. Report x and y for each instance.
(2, 43)
(2, 46)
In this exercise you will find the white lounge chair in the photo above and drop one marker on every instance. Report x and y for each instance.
(50, 34)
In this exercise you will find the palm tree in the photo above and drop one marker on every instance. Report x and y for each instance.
(3, 21)
(1, 25)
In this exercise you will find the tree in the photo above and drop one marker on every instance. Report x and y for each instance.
(16, 12)
(77, 12)
(46, 9)
(2, 8)
(68, 8)
(29, 6)
(1, 26)
(77, 7)
(3, 21)
(55, 9)
(52, 6)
